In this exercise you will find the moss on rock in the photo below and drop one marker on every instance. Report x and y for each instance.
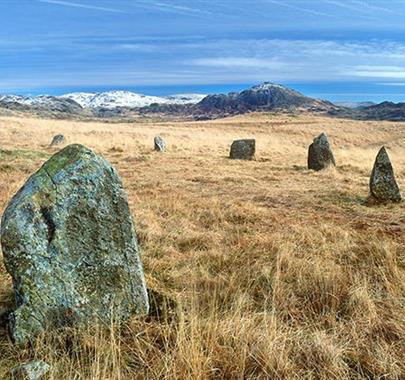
(70, 246)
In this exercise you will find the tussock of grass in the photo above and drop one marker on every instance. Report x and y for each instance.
(277, 272)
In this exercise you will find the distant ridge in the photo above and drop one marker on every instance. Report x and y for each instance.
(355, 104)
(113, 99)
(383, 111)
(109, 99)
(265, 97)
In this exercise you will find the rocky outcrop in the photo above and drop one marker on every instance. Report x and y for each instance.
(69, 244)
(320, 154)
(383, 185)
(243, 149)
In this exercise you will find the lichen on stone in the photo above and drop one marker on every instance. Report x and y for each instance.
(383, 185)
(70, 246)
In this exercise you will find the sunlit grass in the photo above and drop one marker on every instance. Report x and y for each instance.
(276, 271)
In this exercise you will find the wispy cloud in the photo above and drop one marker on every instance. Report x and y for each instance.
(299, 8)
(395, 84)
(372, 7)
(393, 72)
(79, 5)
(173, 8)
(360, 11)
(236, 62)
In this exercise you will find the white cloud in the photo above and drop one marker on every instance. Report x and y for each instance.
(198, 60)
(397, 84)
(394, 72)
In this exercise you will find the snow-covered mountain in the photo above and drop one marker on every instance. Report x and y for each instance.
(185, 98)
(112, 99)
(44, 104)
(109, 100)
(26, 100)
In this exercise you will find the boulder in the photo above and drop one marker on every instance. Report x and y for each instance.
(57, 140)
(33, 370)
(70, 246)
(320, 154)
(383, 186)
(243, 149)
(160, 144)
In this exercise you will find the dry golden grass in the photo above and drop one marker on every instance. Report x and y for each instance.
(279, 272)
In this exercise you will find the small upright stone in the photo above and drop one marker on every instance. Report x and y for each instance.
(383, 186)
(243, 149)
(69, 243)
(34, 370)
(160, 145)
(57, 140)
(320, 154)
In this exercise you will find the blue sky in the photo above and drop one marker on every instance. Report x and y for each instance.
(333, 49)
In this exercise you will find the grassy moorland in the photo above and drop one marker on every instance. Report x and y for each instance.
(278, 272)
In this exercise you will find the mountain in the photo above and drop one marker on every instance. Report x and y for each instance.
(383, 111)
(354, 104)
(264, 97)
(43, 105)
(113, 99)
(83, 104)
(185, 98)
(269, 97)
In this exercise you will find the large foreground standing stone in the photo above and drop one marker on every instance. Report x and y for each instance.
(383, 186)
(243, 149)
(69, 244)
(320, 154)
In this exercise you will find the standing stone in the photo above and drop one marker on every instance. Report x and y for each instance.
(57, 140)
(160, 144)
(243, 149)
(69, 244)
(34, 370)
(383, 186)
(320, 154)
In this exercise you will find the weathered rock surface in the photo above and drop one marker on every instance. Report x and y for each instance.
(320, 154)
(57, 140)
(33, 370)
(243, 149)
(383, 186)
(69, 244)
(160, 144)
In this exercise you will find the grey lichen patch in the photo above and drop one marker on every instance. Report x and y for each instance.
(34, 370)
(70, 246)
